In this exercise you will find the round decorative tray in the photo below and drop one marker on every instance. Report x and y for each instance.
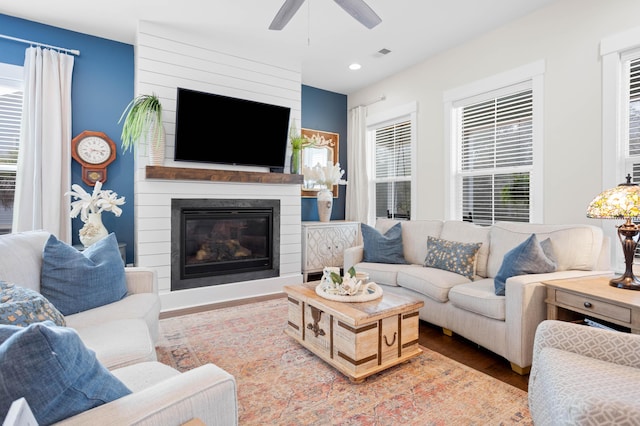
(372, 292)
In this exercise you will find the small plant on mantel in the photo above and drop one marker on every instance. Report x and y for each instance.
(298, 142)
(142, 115)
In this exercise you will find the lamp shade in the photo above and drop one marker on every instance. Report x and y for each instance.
(621, 202)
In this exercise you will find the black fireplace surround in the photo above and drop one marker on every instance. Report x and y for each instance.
(220, 241)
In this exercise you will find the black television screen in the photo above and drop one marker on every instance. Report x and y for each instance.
(212, 128)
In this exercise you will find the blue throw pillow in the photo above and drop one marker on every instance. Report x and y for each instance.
(526, 258)
(21, 306)
(54, 371)
(75, 281)
(547, 248)
(380, 248)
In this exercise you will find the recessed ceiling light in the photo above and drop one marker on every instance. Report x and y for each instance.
(355, 66)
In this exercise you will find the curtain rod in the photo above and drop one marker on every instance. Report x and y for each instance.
(72, 51)
(371, 102)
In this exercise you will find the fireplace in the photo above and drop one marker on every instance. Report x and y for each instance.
(219, 241)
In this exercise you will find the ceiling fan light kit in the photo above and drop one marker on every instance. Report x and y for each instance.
(358, 9)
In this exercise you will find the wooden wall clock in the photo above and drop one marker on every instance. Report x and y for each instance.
(94, 151)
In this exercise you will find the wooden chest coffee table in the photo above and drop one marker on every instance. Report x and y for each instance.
(357, 338)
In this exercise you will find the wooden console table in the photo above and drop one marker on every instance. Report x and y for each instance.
(577, 298)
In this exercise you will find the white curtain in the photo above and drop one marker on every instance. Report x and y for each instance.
(44, 160)
(357, 201)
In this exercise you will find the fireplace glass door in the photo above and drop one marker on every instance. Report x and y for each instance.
(219, 242)
(222, 241)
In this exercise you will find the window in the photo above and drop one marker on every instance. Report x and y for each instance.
(620, 119)
(631, 130)
(10, 119)
(494, 150)
(393, 170)
(496, 158)
(392, 142)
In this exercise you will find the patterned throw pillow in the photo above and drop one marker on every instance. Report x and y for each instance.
(528, 257)
(76, 281)
(379, 248)
(21, 306)
(452, 256)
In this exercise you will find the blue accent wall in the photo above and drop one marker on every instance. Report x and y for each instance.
(326, 111)
(103, 84)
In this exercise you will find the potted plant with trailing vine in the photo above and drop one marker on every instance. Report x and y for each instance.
(143, 118)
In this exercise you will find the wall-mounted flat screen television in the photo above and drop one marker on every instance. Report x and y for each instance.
(212, 128)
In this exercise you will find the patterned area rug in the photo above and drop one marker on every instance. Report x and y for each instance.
(282, 383)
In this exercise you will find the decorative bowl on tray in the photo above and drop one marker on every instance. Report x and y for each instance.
(352, 287)
(340, 293)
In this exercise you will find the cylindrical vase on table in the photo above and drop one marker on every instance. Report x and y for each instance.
(325, 204)
(93, 230)
(156, 144)
(295, 162)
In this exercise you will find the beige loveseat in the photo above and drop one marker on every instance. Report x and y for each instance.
(503, 324)
(123, 336)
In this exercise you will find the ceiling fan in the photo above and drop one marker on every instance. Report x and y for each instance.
(356, 8)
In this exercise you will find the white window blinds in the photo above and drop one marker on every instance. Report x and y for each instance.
(10, 119)
(631, 94)
(393, 170)
(496, 158)
(633, 118)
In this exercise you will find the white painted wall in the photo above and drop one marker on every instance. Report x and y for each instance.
(566, 35)
(165, 60)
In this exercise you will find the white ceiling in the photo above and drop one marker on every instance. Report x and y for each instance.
(322, 35)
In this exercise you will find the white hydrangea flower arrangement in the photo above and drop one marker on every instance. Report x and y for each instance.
(327, 176)
(97, 202)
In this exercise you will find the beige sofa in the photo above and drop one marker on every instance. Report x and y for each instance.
(123, 336)
(584, 376)
(503, 324)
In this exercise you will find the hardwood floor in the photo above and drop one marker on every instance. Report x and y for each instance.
(470, 354)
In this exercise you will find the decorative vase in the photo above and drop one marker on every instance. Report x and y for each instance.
(295, 161)
(155, 142)
(93, 230)
(325, 204)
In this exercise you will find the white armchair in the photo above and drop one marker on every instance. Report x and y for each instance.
(122, 334)
(163, 396)
(584, 376)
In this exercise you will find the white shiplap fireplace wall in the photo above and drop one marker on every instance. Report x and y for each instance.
(167, 59)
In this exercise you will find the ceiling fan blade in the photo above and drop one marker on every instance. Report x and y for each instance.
(360, 11)
(284, 15)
